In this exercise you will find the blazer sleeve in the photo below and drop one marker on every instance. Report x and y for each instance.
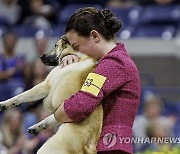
(81, 104)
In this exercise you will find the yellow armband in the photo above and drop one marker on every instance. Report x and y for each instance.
(93, 83)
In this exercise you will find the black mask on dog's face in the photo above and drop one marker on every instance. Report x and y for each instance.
(49, 60)
(54, 57)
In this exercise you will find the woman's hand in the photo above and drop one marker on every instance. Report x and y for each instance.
(69, 59)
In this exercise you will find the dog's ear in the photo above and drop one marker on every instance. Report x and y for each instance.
(64, 39)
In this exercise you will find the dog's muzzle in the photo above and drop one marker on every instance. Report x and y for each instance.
(49, 60)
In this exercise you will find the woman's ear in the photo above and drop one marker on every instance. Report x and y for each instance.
(95, 36)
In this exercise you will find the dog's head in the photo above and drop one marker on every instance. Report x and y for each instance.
(61, 49)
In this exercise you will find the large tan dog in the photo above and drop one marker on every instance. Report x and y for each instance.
(71, 138)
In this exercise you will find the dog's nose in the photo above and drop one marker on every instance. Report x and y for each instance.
(49, 60)
(43, 56)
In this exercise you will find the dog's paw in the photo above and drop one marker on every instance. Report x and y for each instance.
(3, 106)
(35, 129)
(32, 131)
(7, 104)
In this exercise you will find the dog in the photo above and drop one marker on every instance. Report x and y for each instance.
(71, 138)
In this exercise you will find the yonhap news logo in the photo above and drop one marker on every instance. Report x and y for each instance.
(110, 139)
(144, 140)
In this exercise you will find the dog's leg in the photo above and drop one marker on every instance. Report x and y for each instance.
(38, 92)
(46, 123)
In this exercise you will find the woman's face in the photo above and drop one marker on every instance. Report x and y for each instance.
(9, 42)
(86, 45)
(15, 121)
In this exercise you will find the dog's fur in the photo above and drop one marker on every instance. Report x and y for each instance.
(60, 84)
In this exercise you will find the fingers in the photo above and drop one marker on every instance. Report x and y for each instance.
(69, 59)
(75, 58)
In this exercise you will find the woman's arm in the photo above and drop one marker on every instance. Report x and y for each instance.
(108, 76)
(7, 74)
(61, 116)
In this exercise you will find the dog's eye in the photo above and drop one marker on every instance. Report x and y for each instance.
(64, 46)
(76, 47)
(56, 45)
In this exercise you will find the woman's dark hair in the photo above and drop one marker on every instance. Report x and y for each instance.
(84, 20)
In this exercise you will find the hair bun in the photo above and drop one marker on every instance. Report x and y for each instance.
(111, 22)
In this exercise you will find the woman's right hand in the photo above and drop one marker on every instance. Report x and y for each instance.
(69, 59)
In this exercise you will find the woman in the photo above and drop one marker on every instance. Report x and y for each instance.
(92, 32)
(12, 137)
(13, 66)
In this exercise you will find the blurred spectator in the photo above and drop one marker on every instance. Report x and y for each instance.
(157, 130)
(12, 138)
(39, 73)
(33, 144)
(152, 111)
(160, 140)
(39, 13)
(120, 3)
(10, 11)
(39, 70)
(41, 43)
(12, 66)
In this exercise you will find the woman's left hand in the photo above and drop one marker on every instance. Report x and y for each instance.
(69, 59)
